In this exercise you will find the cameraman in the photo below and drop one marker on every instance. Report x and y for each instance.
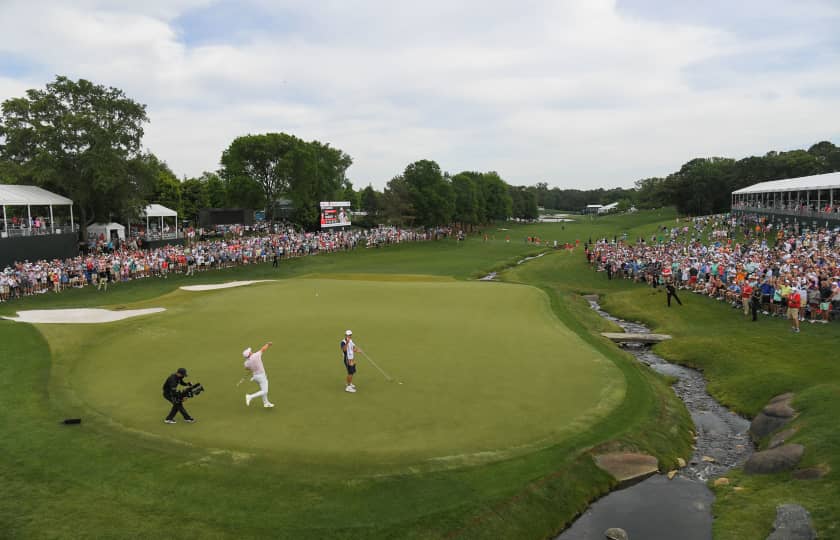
(171, 394)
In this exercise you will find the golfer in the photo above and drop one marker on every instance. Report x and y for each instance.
(349, 349)
(253, 363)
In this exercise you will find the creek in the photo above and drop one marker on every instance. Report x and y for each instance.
(658, 508)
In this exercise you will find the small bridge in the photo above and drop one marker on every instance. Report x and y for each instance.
(626, 337)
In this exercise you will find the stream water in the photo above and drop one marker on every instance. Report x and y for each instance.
(659, 508)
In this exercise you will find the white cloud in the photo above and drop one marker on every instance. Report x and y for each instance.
(576, 93)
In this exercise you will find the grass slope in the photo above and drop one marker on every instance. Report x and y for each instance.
(745, 364)
(115, 482)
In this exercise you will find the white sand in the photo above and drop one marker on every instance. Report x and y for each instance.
(227, 285)
(79, 316)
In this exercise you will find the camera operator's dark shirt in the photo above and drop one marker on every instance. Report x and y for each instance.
(170, 386)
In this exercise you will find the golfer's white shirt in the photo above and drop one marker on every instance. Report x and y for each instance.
(350, 352)
(255, 364)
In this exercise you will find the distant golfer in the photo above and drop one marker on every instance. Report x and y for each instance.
(254, 364)
(672, 292)
(349, 349)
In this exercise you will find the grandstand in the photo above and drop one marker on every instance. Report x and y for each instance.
(809, 198)
(36, 224)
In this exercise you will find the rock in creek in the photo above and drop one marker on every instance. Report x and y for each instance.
(616, 534)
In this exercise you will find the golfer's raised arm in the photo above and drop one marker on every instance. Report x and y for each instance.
(266, 346)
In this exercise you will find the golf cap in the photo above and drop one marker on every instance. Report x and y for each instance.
(182, 371)
(348, 333)
(247, 352)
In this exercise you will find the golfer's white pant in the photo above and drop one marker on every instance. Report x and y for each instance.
(262, 380)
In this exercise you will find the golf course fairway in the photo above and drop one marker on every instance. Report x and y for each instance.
(482, 372)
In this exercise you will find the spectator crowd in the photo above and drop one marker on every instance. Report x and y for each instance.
(745, 261)
(104, 264)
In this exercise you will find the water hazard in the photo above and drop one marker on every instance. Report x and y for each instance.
(662, 509)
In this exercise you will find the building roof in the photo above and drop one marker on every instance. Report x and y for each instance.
(15, 195)
(817, 181)
(610, 206)
(158, 210)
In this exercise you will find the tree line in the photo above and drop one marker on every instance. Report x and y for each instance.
(84, 141)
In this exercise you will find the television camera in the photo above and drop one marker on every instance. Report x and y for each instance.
(190, 391)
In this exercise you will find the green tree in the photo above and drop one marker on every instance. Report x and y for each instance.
(467, 197)
(319, 173)
(217, 196)
(497, 199)
(265, 161)
(397, 202)
(79, 139)
(431, 193)
(194, 198)
(370, 201)
(166, 188)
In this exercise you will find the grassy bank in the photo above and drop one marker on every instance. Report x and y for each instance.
(746, 363)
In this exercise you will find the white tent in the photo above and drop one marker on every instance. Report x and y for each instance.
(106, 229)
(29, 196)
(160, 212)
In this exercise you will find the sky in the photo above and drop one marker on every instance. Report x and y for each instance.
(575, 93)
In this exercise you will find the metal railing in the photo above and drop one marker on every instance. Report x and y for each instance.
(19, 232)
(798, 213)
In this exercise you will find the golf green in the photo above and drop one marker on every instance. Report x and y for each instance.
(487, 372)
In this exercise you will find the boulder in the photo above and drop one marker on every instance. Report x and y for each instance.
(630, 337)
(779, 438)
(780, 409)
(787, 396)
(775, 414)
(722, 481)
(681, 462)
(792, 523)
(783, 458)
(763, 425)
(616, 534)
(628, 468)
(671, 474)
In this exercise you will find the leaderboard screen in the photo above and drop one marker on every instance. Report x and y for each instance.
(335, 214)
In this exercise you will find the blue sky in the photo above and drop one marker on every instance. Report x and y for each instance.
(583, 94)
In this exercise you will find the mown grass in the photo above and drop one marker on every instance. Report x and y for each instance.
(95, 480)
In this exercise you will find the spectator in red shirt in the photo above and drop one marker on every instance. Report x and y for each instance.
(746, 294)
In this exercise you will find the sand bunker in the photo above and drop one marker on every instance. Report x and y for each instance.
(227, 285)
(79, 316)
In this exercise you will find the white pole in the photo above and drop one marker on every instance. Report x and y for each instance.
(5, 225)
(29, 223)
(52, 223)
(72, 222)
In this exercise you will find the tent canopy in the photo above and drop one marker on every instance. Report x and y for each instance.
(804, 183)
(158, 210)
(13, 195)
(106, 228)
